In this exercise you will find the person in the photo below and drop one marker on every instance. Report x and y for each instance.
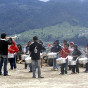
(56, 48)
(65, 52)
(19, 53)
(71, 48)
(28, 47)
(28, 52)
(35, 50)
(41, 42)
(76, 53)
(13, 49)
(65, 42)
(4, 53)
(86, 53)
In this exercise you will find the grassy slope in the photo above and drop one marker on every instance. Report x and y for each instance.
(50, 34)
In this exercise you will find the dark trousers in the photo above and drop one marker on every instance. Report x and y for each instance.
(75, 67)
(5, 61)
(64, 68)
(13, 63)
(30, 66)
(86, 66)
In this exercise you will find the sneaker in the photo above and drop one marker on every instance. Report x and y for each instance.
(86, 71)
(33, 77)
(41, 77)
(0, 73)
(6, 75)
(73, 73)
(61, 73)
(30, 71)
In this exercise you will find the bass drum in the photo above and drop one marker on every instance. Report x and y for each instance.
(50, 62)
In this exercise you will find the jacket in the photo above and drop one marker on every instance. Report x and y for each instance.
(35, 50)
(13, 48)
(4, 46)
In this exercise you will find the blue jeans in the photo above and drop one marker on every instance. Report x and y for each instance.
(64, 68)
(55, 65)
(36, 64)
(30, 66)
(5, 61)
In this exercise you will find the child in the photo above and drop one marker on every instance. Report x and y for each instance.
(65, 52)
(76, 53)
(13, 49)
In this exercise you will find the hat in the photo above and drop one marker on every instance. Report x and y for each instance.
(72, 43)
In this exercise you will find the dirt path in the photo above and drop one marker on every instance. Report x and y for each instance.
(23, 79)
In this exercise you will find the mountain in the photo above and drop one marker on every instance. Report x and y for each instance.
(20, 16)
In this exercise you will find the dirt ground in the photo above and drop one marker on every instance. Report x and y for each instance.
(23, 79)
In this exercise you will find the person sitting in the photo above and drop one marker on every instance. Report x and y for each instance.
(76, 53)
(19, 53)
(13, 49)
(65, 52)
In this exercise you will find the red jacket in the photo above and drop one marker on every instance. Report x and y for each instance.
(13, 48)
(65, 51)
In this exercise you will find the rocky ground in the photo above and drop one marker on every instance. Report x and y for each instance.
(23, 79)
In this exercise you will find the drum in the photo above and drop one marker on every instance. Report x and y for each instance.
(41, 55)
(28, 60)
(10, 55)
(72, 62)
(61, 60)
(69, 58)
(52, 55)
(83, 60)
(24, 57)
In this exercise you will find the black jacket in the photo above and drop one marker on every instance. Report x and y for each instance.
(35, 50)
(4, 47)
(56, 48)
(76, 53)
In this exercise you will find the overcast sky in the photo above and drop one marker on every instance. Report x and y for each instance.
(45, 0)
(49, 0)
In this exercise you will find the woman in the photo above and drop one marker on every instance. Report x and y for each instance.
(19, 53)
(76, 53)
(13, 49)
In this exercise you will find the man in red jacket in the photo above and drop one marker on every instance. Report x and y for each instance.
(13, 49)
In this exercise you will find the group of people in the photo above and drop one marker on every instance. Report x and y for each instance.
(34, 49)
(64, 51)
(9, 46)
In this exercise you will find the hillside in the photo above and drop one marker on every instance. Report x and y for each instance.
(50, 34)
(18, 16)
(31, 17)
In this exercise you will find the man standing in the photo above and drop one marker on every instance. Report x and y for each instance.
(57, 49)
(35, 50)
(4, 53)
